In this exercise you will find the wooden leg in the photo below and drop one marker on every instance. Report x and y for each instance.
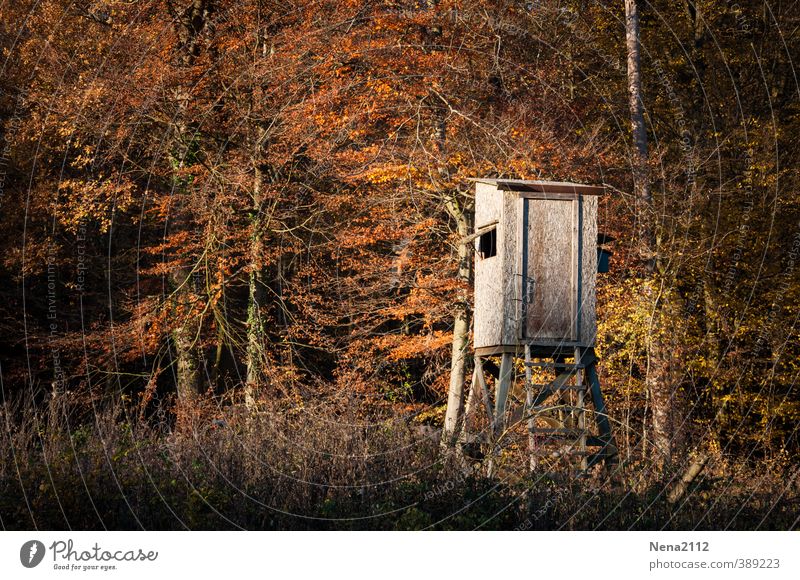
(501, 389)
(473, 388)
(463, 434)
(529, 398)
(484, 390)
(501, 392)
(581, 418)
(601, 416)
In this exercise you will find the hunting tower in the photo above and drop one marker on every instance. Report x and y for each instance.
(535, 265)
(536, 262)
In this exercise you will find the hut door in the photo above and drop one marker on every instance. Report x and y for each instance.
(550, 262)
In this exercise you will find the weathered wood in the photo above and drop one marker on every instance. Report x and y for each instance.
(532, 461)
(536, 295)
(581, 412)
(551, 270)
(473, 389)
(479, 232)
(484, 390)
(535, 186)
(609, 449)
(540, 286)
(587, 317)
(689, 476)
(547, 195)
(463, 428)
(511, 273)
(518, 349)
(488, 302)
(501, 392)
(496, 350)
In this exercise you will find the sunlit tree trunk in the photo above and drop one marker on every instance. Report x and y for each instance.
(188, 364)
(658, 371)
(641, 177)
(185, 332)
(460, 211)
(461, 316)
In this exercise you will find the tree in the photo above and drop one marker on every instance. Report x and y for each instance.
(658, 382)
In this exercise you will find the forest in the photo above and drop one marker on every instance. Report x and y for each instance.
(234, 287)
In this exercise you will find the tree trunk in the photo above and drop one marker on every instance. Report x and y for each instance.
(460, 211)
(455, 394)
(188, 362)
(185, 333)
(189, 23)
(641, 177)
(657, 380)
(257, 298)
(657, 383)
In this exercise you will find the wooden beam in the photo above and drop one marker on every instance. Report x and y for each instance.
(478, 233)
(487, 403)
(501, 391)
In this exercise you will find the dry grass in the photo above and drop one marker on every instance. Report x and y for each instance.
(65, 466)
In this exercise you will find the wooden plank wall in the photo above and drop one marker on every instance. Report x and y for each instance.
(488, 299)
(588, 303)
(510, 273)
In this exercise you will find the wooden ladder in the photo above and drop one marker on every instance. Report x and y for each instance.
(559, 430)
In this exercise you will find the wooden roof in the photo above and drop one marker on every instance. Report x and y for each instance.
(541, 186)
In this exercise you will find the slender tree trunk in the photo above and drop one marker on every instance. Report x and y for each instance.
(661, 400)
(188, 362)
(657, 380)
(455, 394)
(185, 332)
(641, 177)
(460, 211)
(257, 297)
(185, 335)
(220, 346)
(256, 359)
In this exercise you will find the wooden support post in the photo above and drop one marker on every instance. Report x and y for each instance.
(529, 397)
(581, 418)
(601, 416)
(463, 429)
(473, 389)
(501, 392)
(501, 389)
(487, 403)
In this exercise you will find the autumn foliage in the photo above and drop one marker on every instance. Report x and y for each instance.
(212, 204)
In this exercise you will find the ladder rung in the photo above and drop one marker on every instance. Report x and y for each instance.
(558, 431)
(561, 387)
(552, 365)
(539, 408)
(591, 440)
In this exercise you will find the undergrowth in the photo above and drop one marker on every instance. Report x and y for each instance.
(62, 467)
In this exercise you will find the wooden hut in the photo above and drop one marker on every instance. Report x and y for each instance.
(535, 265)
